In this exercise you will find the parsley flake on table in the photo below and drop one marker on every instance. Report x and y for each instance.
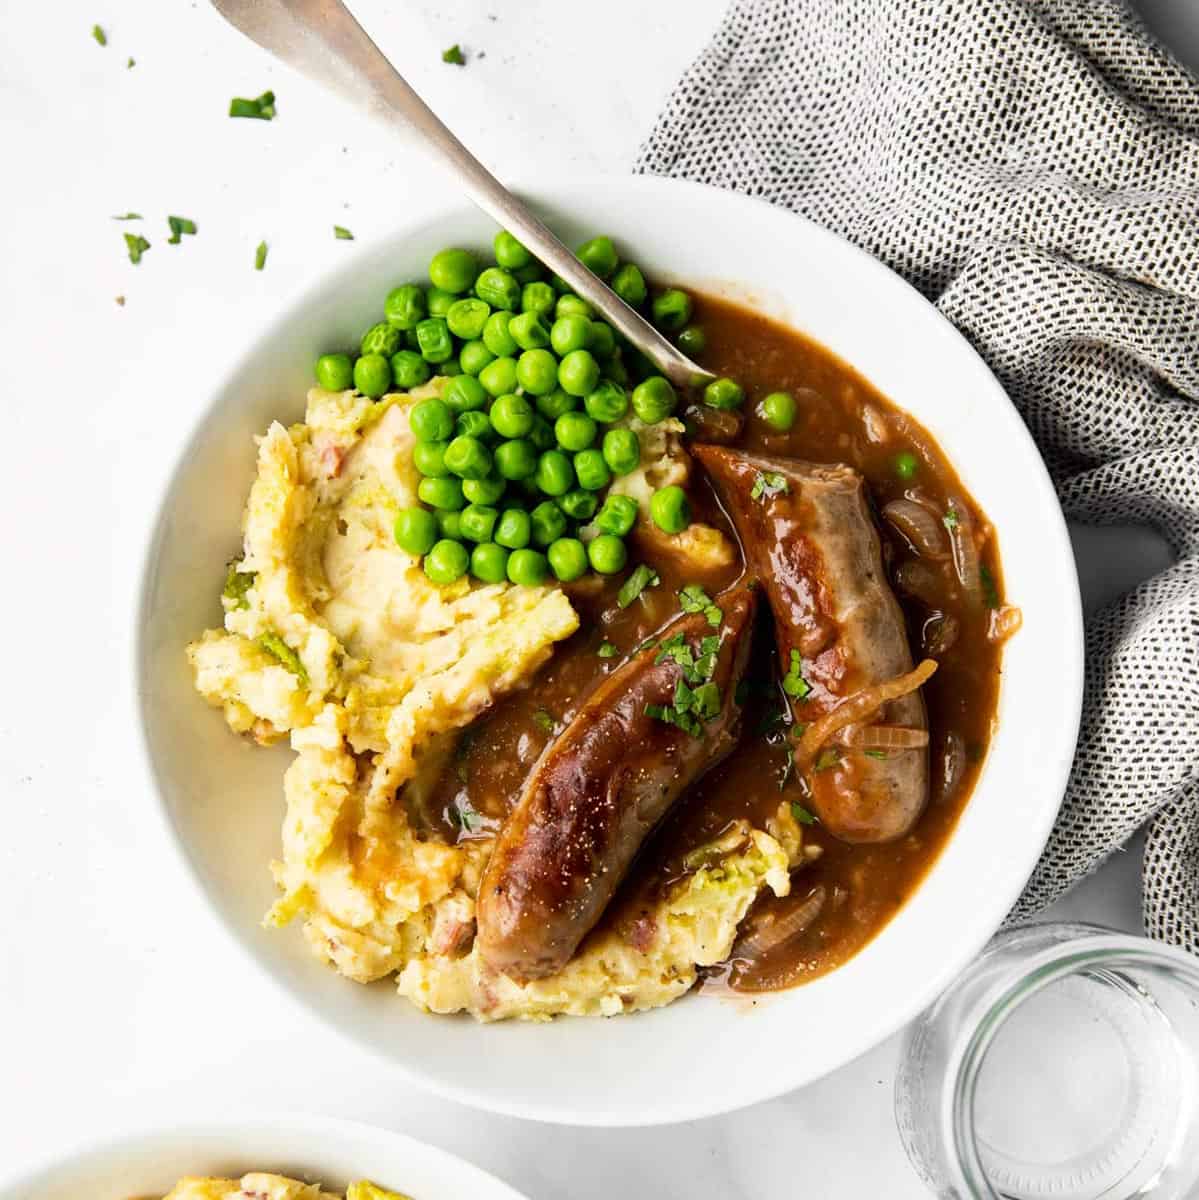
(100, 36)
(130, 63)
(641, 578)
(137, 246)
(180, 226)
(454, 55)
(768, 484)
(342, 234)
(262, 108)
(129, 216)
(260, 256)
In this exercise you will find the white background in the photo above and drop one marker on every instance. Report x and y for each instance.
(119, 996)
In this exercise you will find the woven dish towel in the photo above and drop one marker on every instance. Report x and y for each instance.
(1032, 166)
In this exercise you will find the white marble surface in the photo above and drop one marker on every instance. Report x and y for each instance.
(119, 996)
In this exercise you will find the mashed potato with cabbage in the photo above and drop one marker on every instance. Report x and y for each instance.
(259, 1185)
(335, 638)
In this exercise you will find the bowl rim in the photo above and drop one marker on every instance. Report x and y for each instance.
(129, 1136)
(891, 1018)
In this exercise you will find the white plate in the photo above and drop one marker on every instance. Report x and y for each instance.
(699, 1056)
(315, 1149)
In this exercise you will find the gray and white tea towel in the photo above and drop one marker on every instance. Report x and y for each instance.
(1032, 166)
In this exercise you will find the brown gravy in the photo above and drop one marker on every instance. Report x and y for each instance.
(842, 419)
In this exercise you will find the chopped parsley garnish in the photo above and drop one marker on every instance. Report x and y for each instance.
(801, 814)
(467, 816)
(279, 650)
(607, 650)
(543, 721)
(641, 578)
(129, 216)
(260, 109)
(260, 256)
(675, 716)
(794, 684)
(990, 590)
(693, 599)
(696, 697)
(829, 757)
(137, 247)
(768, 484)
(237, 584)
(180, 226)
(648, 644)
(875, 753)
(950, 519)
(100, 36)
(453, 55)
(342, 234)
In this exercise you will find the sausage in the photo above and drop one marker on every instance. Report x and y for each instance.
(600, 788)
(807, 534)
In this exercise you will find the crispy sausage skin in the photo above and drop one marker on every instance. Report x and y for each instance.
(810, 539)
(598, 791)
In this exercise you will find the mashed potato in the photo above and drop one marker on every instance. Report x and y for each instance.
(258, 1185)
(334, 637)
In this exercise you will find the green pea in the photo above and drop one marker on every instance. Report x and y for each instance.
(429, 459)
(474, 424)
(529, 273)
(578, 373)
(538, 298)
(473, 357)
(670, 509)
(537, 372)
(512, 415)
(453, 270)
(516, 459)
(372, 375)
(555, 476)
(466, 318)
(433, 338)
(483, 491)
(607, 554)
(571, 305)
(464, 393)
(654, 399)
(496, 336)
(478, 522)
(409, 370)
(555, 404)
(905, 462)
(438, 302)
(449, 524)
(569, 333)
(548, 523)
(542, 434)
(415, 530)
(489, 563)
(528, 331)
(499, 376)
(509, 253)
(725, 394)
(622, 451)
(591, 470)
(615, 370)
(579, 505)
(629, 284)
(449, 368)
(779, 411)
(567, 559)
(446, 562)
(574, 431)
(431, 421)
(405, 306)
(468, 458)
(528, 567)
(607, 403)
(692, 340)
(441, 493)
(499, 289)
(618, 515)
(671, 309)
(598, 255)
(601, 341)
(514, 528)
(381, 339)
(334, 372)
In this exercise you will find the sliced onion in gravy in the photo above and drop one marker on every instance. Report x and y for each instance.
(923, 531)
(884, 737)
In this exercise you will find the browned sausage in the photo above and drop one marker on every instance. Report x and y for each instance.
(598, 791)
(807, 534)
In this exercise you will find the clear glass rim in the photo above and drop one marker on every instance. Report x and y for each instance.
(1095, 947)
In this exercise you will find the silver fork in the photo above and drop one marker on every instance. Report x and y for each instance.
(321, 39)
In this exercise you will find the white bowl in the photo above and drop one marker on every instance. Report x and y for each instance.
(699, 1056)
(315, 1149)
